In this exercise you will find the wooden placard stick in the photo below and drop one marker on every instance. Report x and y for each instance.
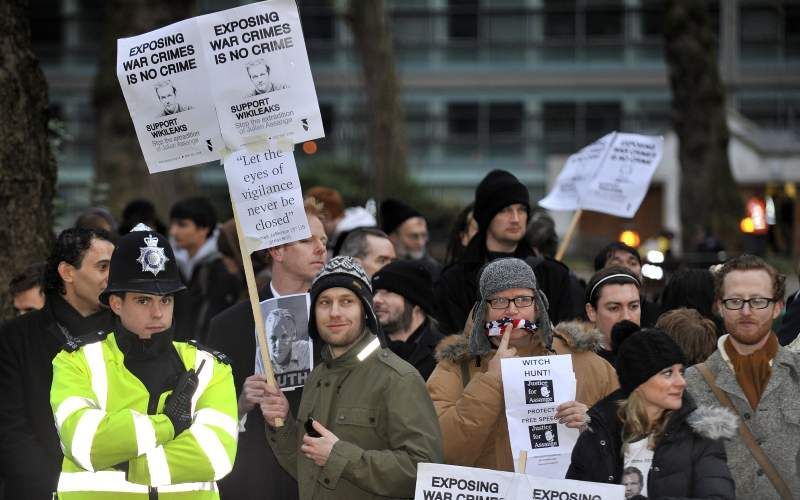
(252, 292)
(522, 461)
(573, 225)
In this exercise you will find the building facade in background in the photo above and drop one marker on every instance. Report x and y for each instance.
(486, 83)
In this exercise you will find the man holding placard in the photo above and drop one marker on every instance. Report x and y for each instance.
(256, 473)
(509, 320)
(365, 421)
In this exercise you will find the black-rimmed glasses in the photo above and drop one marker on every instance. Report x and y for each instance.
(503, 302)
(754, 302)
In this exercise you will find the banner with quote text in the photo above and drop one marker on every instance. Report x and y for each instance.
(265, 189)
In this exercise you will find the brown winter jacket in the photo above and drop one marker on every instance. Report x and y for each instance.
(472, 415)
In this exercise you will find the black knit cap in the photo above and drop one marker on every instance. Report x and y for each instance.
(495, 192)
(409, 279)
(395, 212)
(344, 272)
(644, 354)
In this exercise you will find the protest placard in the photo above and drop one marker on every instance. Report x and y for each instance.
(451, 482)
(290, 347)
(577, 172)
(533, 388)
(621, 183)
(172, 113)
(260, 76)
(611, 175)
(265, 189)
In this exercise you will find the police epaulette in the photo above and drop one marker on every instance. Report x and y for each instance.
(72, 344)
(221, 356)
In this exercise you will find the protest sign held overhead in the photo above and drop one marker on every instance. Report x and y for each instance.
(290, 347)
(260, 76)
(173, 115)
(265, 189)
(611, 175)
(577, 172)
(451, 482)
(533, 388)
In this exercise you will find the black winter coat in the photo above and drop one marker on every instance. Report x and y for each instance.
(418, 350)
(457, 289)
(211, 290)
(256, 474)
(689, 462)
(30, 451)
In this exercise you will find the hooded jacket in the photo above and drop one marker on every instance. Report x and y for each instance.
(689, 462)
(472, 412)
(376, 404)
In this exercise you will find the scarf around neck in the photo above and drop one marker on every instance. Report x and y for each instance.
(753, 370)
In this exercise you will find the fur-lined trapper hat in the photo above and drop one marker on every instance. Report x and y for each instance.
(499, 275)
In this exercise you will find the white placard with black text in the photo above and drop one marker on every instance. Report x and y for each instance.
(162, 75)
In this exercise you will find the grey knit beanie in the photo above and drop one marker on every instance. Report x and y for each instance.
(499, 275)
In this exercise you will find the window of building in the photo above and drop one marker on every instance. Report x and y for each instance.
(327, 111)
(652, 19)
(462, 118)
(604, 20)
(559, 19)
(317, 18)
(601, 118)
(769, 30)
(505, 119)
(568, 126)
(463, 19)
(47, 23)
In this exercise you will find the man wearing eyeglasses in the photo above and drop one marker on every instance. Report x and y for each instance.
(509, 319)
(760, 377)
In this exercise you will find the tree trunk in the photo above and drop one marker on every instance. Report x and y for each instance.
(119, 165)
(27, 167)
(385, 136)
(709, 197)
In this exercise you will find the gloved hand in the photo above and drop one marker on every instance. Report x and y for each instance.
(178, 407)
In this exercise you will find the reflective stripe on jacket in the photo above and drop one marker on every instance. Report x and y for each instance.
(101, 413)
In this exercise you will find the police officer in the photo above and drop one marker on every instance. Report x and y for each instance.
(138, 413)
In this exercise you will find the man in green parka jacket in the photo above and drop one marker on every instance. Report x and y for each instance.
(370, 408)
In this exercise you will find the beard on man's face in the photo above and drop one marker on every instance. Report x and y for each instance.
(399, 321)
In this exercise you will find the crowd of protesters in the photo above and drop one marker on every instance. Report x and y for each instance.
(693, 395)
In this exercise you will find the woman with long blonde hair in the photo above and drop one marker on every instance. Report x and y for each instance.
(649, 435)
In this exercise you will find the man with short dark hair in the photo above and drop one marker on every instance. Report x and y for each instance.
(368, 418)
(76, 273)
(27, 289)
(501, 211)
(256, 473)
(612, 296)
(758, 375)
(404, 306)
(371, 247)
(619, 254)
(211, 288)
(408, 230)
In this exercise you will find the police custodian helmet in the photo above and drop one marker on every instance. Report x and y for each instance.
(143, 262)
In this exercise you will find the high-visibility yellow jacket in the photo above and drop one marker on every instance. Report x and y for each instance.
(101, 413)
